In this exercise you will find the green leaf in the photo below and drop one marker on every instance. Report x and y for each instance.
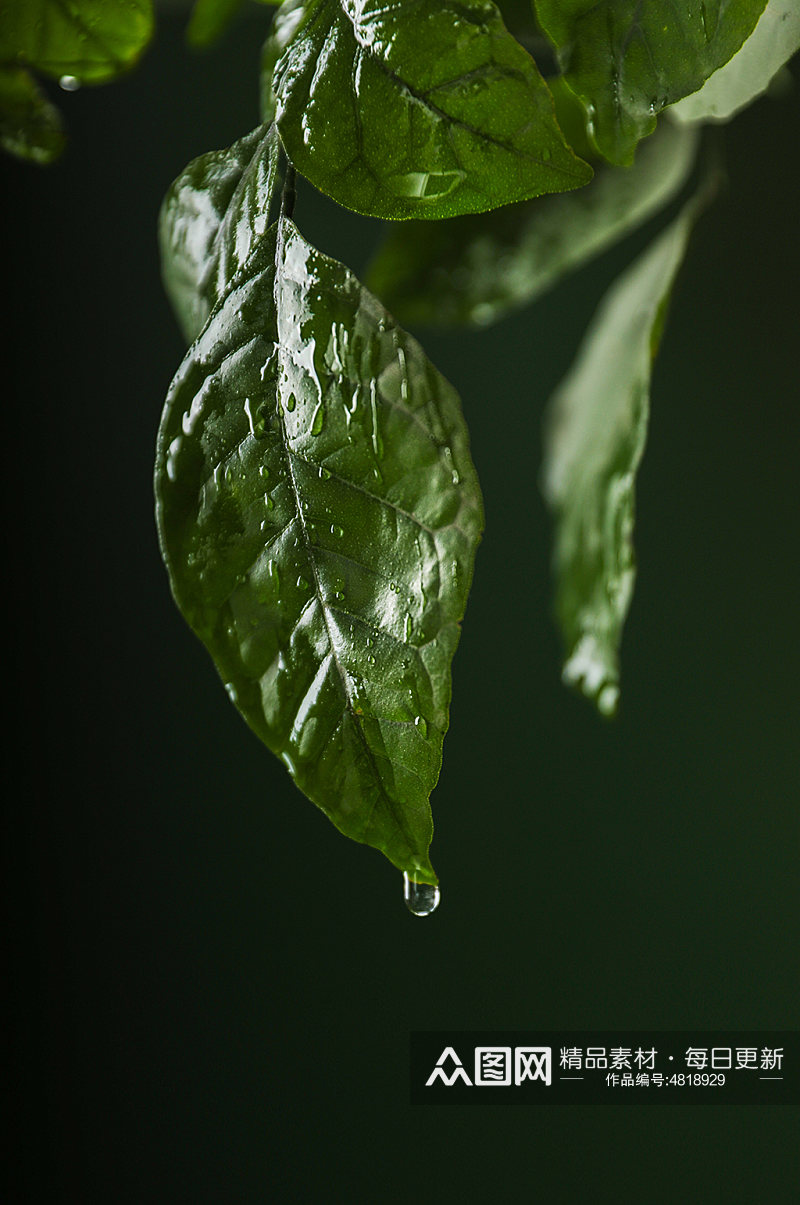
(90, 41)
(30, 127)
(210, 220)
(750, 72)
(627, 59)
(421, 108)
(210, 19)
(476, 268)
(283, 28)
(595, 439)
(319, 514)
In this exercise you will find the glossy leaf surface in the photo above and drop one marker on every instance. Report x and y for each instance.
(418, 108)
(750, 72)
(30, 127)
(626, 59)
(210, 220)
(319, 515)
(474, 269)
(595, 440)
(90, 40)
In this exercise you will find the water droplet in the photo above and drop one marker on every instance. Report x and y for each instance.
(231, 689)
(302, 584)
(421, 898)
(421, 725)
(263, 472)
(291, 402)
(408, 628)
(323, 474)
(70, 83)
(268, 502)
(318, 419)
(337, 531)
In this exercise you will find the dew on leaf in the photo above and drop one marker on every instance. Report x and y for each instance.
(421, 898)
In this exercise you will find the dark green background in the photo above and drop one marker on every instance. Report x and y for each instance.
(214, 989)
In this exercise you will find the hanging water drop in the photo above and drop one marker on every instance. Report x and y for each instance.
(69, 83)
(420, 898)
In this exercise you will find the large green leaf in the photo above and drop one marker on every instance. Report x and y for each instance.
(89, 40)
(627, 59)
(210, 220)
(474, 269)
(750, 72)
(319, 513)
(595, 440)
(30, 127)
(418, 108)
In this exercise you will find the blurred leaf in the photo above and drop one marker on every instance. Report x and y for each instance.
(319, 514)
(210, 19)
(210, 220)
(750, 72)
(30, 127)
(476, 268)
(89, 41)
(595, 439)
(626, 59)
(426, 108)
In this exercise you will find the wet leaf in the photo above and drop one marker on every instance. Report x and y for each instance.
(282, 30)
(626, 59)
(30, 127)
(475, 269)
(90, 41)
(750, 72)
(319, 514)
(595, 440)
(211, 219)
(423, 108)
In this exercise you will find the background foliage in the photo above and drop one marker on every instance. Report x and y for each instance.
(213, 990)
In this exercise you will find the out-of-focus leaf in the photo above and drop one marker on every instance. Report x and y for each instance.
(475, 269)
(418, 108)
(30, 127)
(319, 514)
(627, 59)
(210, 220)
(210, 19)
(595, 439)
(88, 41)
(750, 72)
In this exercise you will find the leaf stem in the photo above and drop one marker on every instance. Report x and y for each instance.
(289, 195)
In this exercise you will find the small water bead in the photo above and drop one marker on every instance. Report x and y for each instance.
(421, 898)
(318, 419)
(336, 531)
(69, 83)
(291, 402)
(421, 725)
